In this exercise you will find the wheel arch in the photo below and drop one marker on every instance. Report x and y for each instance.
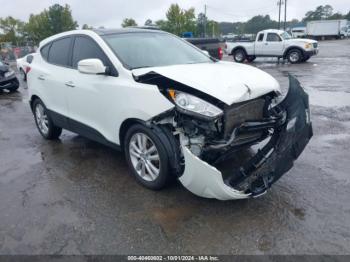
(32, 99)
(237, 48)
(291, 48)
(171, 145)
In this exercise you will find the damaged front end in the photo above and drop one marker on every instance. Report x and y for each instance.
(281, 131)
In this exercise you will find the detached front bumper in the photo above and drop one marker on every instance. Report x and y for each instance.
(274, 159)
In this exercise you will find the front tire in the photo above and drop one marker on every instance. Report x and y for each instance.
(295, 56)
(239, 55)
(147, 157)
(43, 121)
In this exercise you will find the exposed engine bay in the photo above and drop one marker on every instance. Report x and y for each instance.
(279, 128)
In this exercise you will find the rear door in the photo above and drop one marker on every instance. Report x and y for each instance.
(54, 74)
(273, 45)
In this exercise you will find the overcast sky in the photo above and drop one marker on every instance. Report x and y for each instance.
(110, 13)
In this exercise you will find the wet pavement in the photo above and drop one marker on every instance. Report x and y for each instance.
(74, 196)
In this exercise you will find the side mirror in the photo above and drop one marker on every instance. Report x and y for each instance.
(91, 66)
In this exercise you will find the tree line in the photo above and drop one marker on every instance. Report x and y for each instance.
(54, 20)
(58, 18)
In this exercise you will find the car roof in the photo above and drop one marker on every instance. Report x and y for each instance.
(125, 30)
(273, 31)
(99, 32)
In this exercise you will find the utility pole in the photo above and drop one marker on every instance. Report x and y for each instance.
(279, 3)
(285, 15)
(205, 20)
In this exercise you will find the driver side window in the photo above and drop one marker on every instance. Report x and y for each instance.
(273, 37)
(86, 48)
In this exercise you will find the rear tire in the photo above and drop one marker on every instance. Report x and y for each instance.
(295, 56)
(43, 121)
(239, 55)
(147, 157)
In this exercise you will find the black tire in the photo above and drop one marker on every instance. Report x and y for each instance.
(251, 58)
(23, 75)
(13, 89)
(239, 55)
(295, 56)
(53, 132)
(164, 176)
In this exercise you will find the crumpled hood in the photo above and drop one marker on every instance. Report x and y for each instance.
(226, 81)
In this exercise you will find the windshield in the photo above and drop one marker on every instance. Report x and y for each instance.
(137, 50)
(285, 36)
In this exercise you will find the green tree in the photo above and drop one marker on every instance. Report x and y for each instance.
(163, 25)
(202, 20)
(51, 21)
(347, 16)
(129, 22)
(60, 19)
(148, 22)
(258, 23)
(180, 20)
(86, 27)
(321, 12)
(213, 28)
(13, 30)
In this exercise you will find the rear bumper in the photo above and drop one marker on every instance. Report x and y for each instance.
(9, 83)
(275, 158)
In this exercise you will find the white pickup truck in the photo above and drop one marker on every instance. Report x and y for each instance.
(273, 43)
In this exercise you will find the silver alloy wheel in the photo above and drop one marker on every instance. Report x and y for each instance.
(294, 56)
(42, 119)
(239, 56)
(144, 157)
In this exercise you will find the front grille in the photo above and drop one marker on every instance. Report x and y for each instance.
(236, 114)
(315, 45)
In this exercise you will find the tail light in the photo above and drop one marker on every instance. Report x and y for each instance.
(221, 53)
(27, 69)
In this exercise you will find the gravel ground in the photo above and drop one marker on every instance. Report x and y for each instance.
(74, 196)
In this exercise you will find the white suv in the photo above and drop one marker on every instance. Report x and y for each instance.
(173, 110)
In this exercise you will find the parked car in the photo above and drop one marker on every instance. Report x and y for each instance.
(327, 29)
(273, 43)
(23, 65)
(8, 79)
(214, 46)
(175, 112)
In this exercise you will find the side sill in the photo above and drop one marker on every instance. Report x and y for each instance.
(81, 129)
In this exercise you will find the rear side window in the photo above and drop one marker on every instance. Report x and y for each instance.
(45, 51)
(85, 48)
(59, 52)
(272, 37)
(261, 37)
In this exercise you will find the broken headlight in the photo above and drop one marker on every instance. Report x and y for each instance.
(194, 104)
